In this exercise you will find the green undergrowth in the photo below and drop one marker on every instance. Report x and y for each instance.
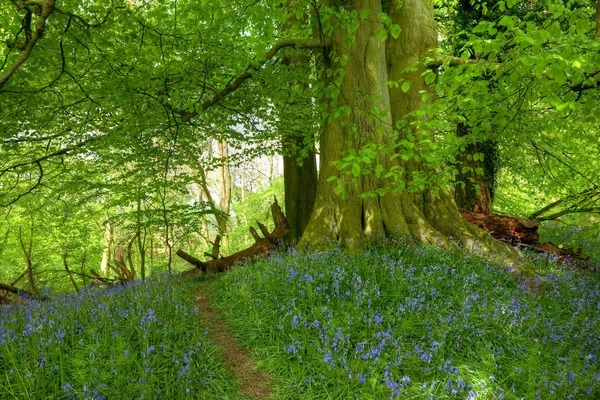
(136, 341)
(415, 324)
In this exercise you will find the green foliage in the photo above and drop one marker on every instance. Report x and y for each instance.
(256, 207)
(53, 230)
(403, 323)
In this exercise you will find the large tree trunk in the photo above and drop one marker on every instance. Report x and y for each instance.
(354, 220)
(300, 180)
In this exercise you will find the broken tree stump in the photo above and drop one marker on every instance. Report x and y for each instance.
(262, 246)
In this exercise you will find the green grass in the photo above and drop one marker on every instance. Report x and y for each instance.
(415, 324)
(392, 322)
(137, 341)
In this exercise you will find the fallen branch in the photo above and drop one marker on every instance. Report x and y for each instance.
(14, 290)
(262, 247)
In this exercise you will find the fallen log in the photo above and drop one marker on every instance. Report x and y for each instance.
(261, 247)
(506, 228)
(522, 232)
(19, 292)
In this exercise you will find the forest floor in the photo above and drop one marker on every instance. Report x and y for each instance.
(254, 383)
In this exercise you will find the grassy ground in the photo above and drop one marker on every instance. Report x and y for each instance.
(401, 323)
(139, 341)
(390, 323)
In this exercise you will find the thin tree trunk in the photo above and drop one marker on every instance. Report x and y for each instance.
(70, 274)
(83, 268)
(224, 181)
(141, 241)
(474, 191)
(243, 180)
(27, 255)
(271, 163)
(107, 253)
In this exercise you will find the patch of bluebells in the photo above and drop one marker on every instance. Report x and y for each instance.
(129, 341)
(418, 323)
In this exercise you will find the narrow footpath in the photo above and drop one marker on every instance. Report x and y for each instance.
(255, 384)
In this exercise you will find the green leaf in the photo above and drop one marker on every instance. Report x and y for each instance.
(364, 13)
(430, 78)
(339, 191)
(506, 21)
(355, 169)
(395, 31)
(582, 26)
(382, 35)
(556, 73)
(405, 86)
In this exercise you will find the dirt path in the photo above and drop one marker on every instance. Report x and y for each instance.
(255, 384)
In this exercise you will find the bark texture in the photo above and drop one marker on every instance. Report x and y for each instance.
(475, 192)
(300, 179)
(374, 110)
(224, 191)
(300, 182)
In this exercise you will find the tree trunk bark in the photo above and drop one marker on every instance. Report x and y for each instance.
(475, 192)
(373, 110)
(300, 180)
(224, 178)
(141, 240)
(107, 253)
(300, 183)
(27, 255)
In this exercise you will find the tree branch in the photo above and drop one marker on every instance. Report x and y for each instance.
(47, 7)
(60, 152)
(236, 82)
(12, 289)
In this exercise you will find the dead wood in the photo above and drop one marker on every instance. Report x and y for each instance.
(506, 228)
(10, 288)
(261, 247)
(523, 232)
(70, 274)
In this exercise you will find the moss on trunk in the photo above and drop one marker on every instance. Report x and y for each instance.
(372, 110)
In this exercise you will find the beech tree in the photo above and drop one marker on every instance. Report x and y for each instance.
(367, 115)
(123, 82)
